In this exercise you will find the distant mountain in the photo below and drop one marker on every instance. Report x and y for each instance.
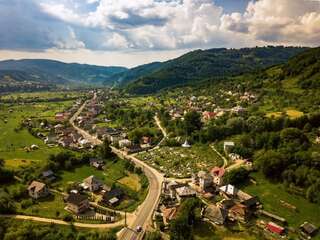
(132, 74)
(55, 72)
(213, 63)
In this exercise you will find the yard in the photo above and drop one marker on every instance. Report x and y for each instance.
(49, 207)
(182, 162)
(271, 196)
(115, 173)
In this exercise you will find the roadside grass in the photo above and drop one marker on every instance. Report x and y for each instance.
(270, 195)
(182, 162)
(132, 181)
(205, 231)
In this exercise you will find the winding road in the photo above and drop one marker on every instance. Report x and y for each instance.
(142, 216)
(144, 212)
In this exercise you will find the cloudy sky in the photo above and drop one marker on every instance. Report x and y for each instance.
(132, 32)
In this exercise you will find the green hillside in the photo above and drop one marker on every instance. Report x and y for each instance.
(55, 72)
(214, 63)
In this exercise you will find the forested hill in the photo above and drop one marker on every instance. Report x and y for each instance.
(125, 77)
(213, 63)
(305, 68)
(55, 72)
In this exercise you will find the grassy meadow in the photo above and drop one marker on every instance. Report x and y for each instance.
(271, 195)
(14, 139)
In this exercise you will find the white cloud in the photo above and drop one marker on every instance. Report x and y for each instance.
(116, 42)
(280, 22)
(70, 41)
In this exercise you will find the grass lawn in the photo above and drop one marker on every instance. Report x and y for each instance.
(270, 196)
(132, 181)
(47, 207)
(182, 162)
(205, 231)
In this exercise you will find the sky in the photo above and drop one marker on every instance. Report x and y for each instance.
(133, 32)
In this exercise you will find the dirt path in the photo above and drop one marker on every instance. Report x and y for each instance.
(60, 222)
(225, 160)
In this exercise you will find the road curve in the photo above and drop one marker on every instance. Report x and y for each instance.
(145, 210)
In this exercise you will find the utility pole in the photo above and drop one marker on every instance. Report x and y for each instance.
(125, 219)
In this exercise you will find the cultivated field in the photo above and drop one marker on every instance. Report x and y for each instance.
(182, 162)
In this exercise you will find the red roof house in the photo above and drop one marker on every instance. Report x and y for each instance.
(272, 227)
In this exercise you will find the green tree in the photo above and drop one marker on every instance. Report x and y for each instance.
(105, 150)
(192, 122)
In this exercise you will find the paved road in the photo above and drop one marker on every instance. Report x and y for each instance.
(145, 210)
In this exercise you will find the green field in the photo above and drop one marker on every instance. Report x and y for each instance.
(13, 140)
(42, 95)
(270, 195)
(182, 162)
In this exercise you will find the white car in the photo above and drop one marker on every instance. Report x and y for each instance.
(139, 228)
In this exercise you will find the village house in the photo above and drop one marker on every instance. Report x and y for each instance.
(112, 197)
(170, 188)
(217, 173)
(238, 212)
(207, 116)
(275, 228)
(124, 143)
(228, 191)
(308, 229)
(205, 180)
(91, 183)
(96, 163)
(50, 139)
(215, 214)
(38, 190)
(237, 110)
(77, 203)
(185, 192)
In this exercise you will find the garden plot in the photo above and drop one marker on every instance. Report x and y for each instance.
(182, 162)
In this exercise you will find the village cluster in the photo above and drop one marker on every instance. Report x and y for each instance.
(224, 203)
(90, 198)
(207, 106)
